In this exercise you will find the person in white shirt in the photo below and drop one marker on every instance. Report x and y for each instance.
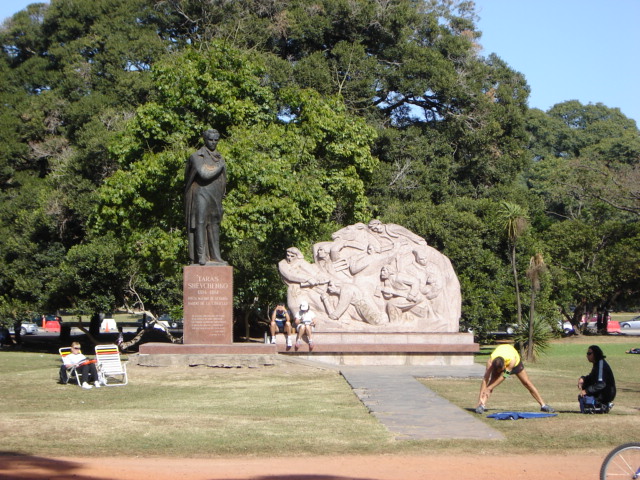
(86, 367)
(305, 321)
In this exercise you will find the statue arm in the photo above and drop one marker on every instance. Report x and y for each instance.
(290, 275)
(341, 307)
(207, 172)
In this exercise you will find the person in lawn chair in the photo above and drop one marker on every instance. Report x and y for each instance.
(86, 367)
(598, 389)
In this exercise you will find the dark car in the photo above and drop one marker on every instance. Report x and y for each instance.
(50, 323)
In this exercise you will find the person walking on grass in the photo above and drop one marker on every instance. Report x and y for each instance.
(504, 361)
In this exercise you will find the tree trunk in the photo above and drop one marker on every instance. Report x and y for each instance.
(247, 326)
(16, 332)
(531, 317)
(515, 279)
(138, 337)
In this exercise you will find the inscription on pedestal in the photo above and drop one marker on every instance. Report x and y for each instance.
(208, 305)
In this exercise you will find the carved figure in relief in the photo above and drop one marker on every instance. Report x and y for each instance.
(301, 278)
(350, 295)
(375, 276)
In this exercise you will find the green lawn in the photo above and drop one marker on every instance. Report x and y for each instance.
(555, 376)
(202, 411)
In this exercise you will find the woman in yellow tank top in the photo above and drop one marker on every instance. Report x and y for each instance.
(504, 361)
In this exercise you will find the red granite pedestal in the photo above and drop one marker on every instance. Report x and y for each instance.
(208, 305)
(208, 317)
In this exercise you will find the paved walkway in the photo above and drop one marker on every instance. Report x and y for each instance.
(412, 411)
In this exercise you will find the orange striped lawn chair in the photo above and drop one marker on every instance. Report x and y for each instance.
(110, 367)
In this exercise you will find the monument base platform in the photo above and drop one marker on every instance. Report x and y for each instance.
(223, 355)
(346, 348)
(357, 348)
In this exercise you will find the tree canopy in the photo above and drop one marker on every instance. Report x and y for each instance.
(331, 112)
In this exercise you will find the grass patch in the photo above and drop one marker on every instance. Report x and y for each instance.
(291, 410)
(555, 375)
(183, 412)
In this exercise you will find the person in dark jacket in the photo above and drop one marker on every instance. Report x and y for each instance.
(598, 389)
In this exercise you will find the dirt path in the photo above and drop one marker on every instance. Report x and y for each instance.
(439, 467)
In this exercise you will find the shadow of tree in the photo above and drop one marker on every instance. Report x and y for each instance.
(17, 466)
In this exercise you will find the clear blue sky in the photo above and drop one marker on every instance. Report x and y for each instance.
(586, 50)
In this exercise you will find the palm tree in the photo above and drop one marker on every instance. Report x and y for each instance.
(536, 268)
(515, 220)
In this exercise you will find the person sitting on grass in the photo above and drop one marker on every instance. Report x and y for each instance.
(86, 367)
(505, 361)
(598, 389)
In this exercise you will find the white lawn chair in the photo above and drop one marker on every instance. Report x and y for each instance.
(68, 373)
(110, 367)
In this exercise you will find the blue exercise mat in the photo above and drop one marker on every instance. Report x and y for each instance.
(519, 415)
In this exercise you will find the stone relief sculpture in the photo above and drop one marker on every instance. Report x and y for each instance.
(375, 277)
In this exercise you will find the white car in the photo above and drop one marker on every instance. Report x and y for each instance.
(26, 328)
(633, 323)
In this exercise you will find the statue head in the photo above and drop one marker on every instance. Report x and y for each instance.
(333, 287)
(421, 257)
(376, 226)
(386, 271)
(293, 254)
(211, 138)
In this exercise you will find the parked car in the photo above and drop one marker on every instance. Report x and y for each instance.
(503, 330)
(633, 323)
(50, 323)
(26, 328)
(169, 322)
(162, 322)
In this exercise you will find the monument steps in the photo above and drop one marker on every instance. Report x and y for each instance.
(335, 348)
(378, 348)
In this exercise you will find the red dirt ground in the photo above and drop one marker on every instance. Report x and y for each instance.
(437, 467)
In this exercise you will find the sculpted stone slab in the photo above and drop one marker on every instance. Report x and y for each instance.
(374, 278)
(208, 305)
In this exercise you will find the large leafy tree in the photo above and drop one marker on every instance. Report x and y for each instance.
(72, 72)
(296, 162)
(586, 160)
(93, 127)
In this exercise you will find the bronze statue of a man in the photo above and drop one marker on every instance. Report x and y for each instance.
(205, 184)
